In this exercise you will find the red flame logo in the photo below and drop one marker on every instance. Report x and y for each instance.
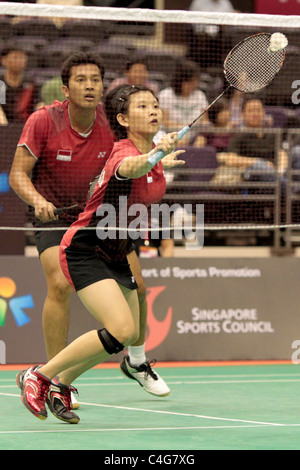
(157, 330)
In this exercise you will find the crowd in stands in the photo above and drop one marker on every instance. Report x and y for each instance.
(28, 86)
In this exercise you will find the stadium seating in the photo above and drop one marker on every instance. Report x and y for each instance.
(279, 114)
(34, 27)
(5, 27)
(95, 31)
(114, 58)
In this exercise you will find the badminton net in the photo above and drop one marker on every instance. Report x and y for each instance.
(241, 169)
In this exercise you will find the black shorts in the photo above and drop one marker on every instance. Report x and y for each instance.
(87, 267)
(47, 238)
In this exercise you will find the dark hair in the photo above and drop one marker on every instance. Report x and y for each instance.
(80, 58)
(13, 48)
(117, 101)
(249, 98)
(185, 71)
(218, 107)
(136, 60)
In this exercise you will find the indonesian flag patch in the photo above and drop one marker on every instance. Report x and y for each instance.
(64, 155)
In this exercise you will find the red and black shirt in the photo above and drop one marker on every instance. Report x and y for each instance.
(120, 196)
(66, 161)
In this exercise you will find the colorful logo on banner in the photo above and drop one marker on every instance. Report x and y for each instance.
(4, 185)
(157, 330)
(15, 305)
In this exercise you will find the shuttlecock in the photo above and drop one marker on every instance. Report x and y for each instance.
(278, 41)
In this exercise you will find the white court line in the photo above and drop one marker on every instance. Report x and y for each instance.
(204, 376)
(173, 413)
(180, 382)
(198, 376)
(182, 377)
(174, 428)
(182, 428)
(191, 382)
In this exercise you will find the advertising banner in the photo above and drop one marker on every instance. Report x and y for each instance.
(277, 7)
(199, 309)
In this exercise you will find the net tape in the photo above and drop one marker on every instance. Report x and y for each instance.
(149, 15)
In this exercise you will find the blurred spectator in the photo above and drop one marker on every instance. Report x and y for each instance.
(3, 119)
(183, 101)
(19, 92)
(136, 73)
(236, 103)
(220, 118)
(254, 152)
(208, 44)
(163, 247)
(51, 91)
(216, 6)
(58, 21)
(295, 161)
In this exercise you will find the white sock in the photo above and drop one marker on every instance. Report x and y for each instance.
(137, 355)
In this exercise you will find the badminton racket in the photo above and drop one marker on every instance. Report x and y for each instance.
(60, 210)
(250, 66)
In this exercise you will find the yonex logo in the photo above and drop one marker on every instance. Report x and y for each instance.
(101, 155)
(16, 305)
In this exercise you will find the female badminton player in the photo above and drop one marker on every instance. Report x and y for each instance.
(95, 263)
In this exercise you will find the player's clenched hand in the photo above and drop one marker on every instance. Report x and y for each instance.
(44, 210)
(167, 143)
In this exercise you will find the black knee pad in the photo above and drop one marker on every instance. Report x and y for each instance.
(110, 343)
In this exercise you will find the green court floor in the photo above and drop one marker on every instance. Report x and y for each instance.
(214, 407)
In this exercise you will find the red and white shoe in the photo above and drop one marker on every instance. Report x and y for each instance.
(59, 402)
(34, 392)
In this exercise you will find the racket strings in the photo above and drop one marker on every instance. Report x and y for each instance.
(250, 66)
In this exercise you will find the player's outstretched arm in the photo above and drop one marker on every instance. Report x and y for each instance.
(135, 167)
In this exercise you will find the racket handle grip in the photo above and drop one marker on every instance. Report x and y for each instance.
(60, 210)
(182, 132)
(160, 154)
